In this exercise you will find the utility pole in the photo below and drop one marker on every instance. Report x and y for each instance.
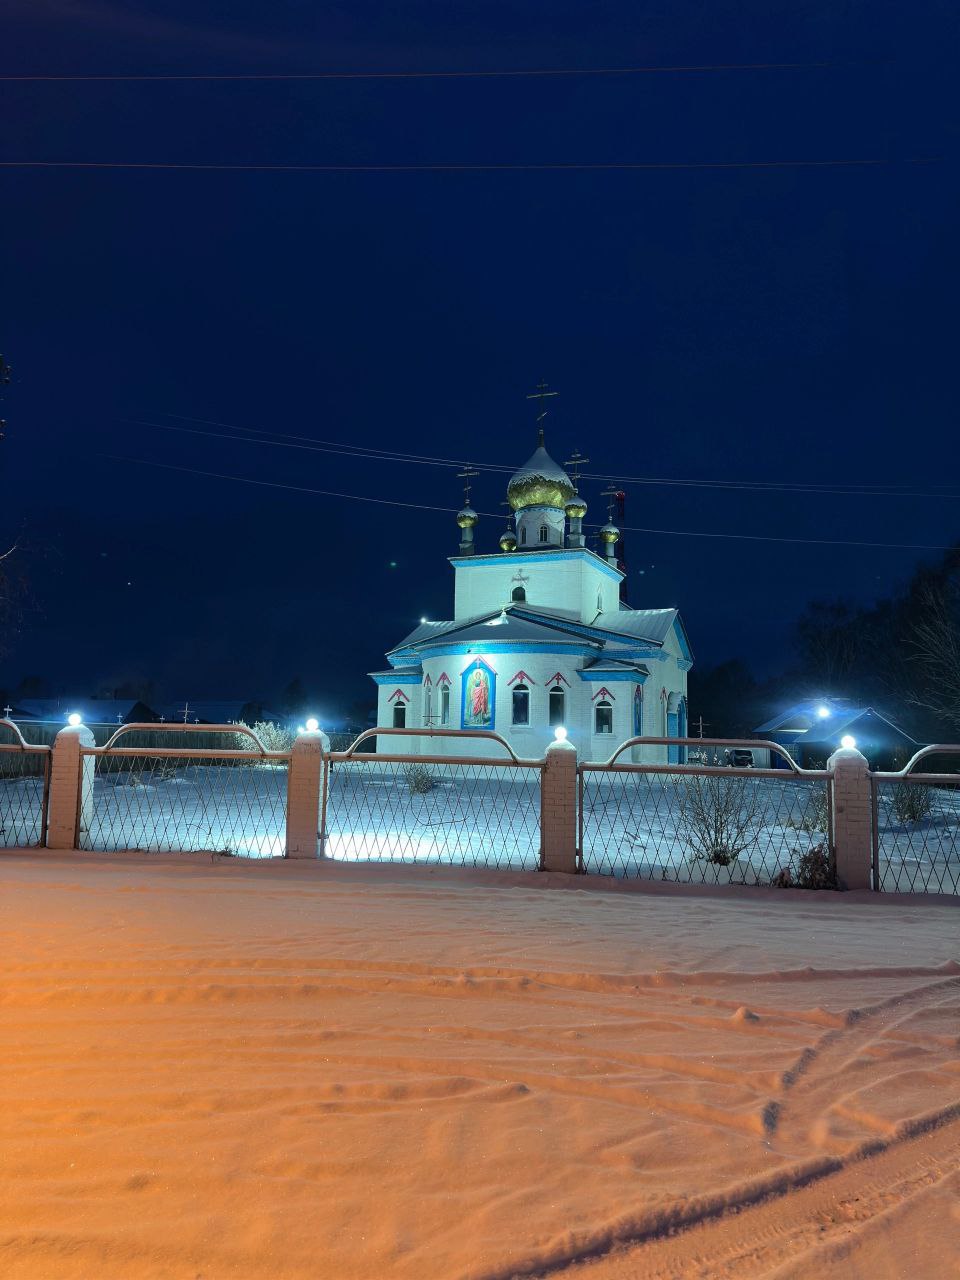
(5, 373)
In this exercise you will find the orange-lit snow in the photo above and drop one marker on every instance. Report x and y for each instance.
(238, 1069)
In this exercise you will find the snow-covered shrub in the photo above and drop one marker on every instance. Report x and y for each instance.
(275, 737)
(815, 817)
(912, 801)
(419, 779)
(718, 817)
(813, 869)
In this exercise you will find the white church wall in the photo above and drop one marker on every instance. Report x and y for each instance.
(571, 579)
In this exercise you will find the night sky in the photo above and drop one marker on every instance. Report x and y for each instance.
(788, 326)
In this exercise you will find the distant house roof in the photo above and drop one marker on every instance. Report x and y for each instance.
(93, 710)
(805, 723)
(217, 711)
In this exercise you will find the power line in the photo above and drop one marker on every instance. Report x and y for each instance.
(572, 167)
(419, 506)
(499, 73)
(313, 445)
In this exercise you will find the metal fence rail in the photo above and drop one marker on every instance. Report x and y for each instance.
(457, 810)
(916, 828)
(181, 799)
(24, 791)
(706, 824)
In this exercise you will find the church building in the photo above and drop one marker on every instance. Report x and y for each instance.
(540, 638)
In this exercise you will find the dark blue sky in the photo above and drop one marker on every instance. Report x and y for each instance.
(776, 325)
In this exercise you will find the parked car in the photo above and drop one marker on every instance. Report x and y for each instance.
(741, 758)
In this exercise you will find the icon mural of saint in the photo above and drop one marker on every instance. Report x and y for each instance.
(476, 710)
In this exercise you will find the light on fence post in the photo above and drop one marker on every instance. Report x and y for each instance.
(560, 733)
(74, 718)
(313, 724)
(848, 741)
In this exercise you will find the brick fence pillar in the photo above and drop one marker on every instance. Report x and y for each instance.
(558, 808)
(303, 794)
(852, 818)
(71, 788)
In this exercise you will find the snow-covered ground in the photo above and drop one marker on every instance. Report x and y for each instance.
(633, 825)
(221, 808)
(341, 1072)
(924, 855)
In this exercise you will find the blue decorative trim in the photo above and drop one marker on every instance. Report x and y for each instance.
(684, 664)
(403, 658)
(518, 647)
(396, 677)
(673, 753)
(464, 681)
(533, 557)
(604, 677)
(541, 506)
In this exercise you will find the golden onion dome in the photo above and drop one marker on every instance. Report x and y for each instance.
(466, 518)
(576, 508)
(609, 533)
(540, 482)
(508, 540)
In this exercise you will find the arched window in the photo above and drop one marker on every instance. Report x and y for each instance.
(518, 593)
(399, 715)
(445, 704)
(557, 707)
(544, 533)
(603, 717)
(523, 533)
(427, 707)
(599, 602)
(521, 704)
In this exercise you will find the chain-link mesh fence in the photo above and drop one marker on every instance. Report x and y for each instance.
(916, 833)
(24, 783)
(722, 826)
(172, 802)
(415, 810)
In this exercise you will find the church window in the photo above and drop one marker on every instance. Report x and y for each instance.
(599, 602)
(518, 593)
(523, 534)
(521, 704)
(399, 715)
(427, 707)
(556, 706)
(445, 705)
(603, 717)
(544, 533)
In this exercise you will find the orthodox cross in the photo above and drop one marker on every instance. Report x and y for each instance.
(541, 394)
(576, 462)
(466, 475)
(162, 719)
(7, 710)
(186, 711)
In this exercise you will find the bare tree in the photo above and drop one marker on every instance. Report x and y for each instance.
(718, 817)
(828, 641)
(935, 639)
